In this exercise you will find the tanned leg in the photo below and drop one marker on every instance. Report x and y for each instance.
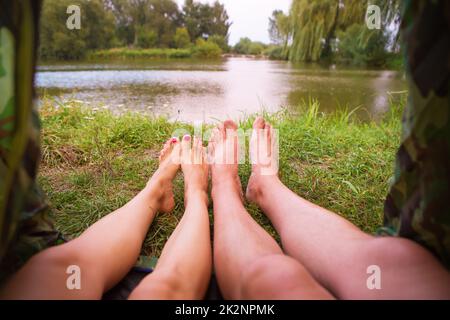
(335, 251)
(106, 251)
(184, 268)
(249, 264)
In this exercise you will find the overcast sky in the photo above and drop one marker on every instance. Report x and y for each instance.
(250, 17)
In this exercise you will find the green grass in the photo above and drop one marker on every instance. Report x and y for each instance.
(201, 51)
(126, 53)
(94, 162)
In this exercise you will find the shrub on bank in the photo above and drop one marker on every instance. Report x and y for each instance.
(206, 49)
(275, 53)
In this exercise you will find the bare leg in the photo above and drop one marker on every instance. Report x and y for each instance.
(249, 264)
(106, 251)
(335, 251)
(184, 268)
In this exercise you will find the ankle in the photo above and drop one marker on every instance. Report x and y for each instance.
(259, 186)
(157, 182)
(195, 193)
(153, 195)
(195, 186)
(221, 182)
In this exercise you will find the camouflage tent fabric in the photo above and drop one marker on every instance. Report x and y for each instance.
(25, 226)
(418, 204)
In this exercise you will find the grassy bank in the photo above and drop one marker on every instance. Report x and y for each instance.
(205, 50)
(123, 53)
(94, 162)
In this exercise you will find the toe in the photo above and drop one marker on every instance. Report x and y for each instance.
(186, 149)
(199, 145)
(175, 151)
(230, 124)
(230, 128)
(215, 135)
(259, 123)
(269, 131)
(210, 151)
(197, 150)
(165, 150)
(171, 149)
(165, 146)
(221, 131)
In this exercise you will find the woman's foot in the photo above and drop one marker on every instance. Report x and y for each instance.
(160, 183)
(194, 167)
(264, 159)
(223, 156)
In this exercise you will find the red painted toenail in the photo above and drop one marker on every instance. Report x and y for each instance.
(174, 140)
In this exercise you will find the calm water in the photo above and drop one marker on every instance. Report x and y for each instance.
(233, 87)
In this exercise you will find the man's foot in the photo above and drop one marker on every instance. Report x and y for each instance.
(161, 182)
(264, 158)
(223, 156)
(194, 167)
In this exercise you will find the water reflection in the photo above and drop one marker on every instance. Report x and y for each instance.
(198, 90)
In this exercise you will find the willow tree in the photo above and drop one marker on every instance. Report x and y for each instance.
(315, 24)
(280, 30)
(312, 21)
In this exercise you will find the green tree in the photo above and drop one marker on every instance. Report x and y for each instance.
(122, 12)
(146, 38)
(181, 38)
(247, 46)
(204, 20)
(312, 22)
(221, 41)
(161, 16)
(57, 41)
(219, 21)
(279, 27)
(256, 48)
(280, 31)
(65, 46)
(164, 17)
(243, 46)
(360, 46)
(99, 24)
(317, 24)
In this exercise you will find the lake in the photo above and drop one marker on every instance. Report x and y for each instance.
(228, 88)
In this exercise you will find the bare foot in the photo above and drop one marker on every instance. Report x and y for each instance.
(223, 156)
(195, 168)
(161, 181)
(264, 158)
